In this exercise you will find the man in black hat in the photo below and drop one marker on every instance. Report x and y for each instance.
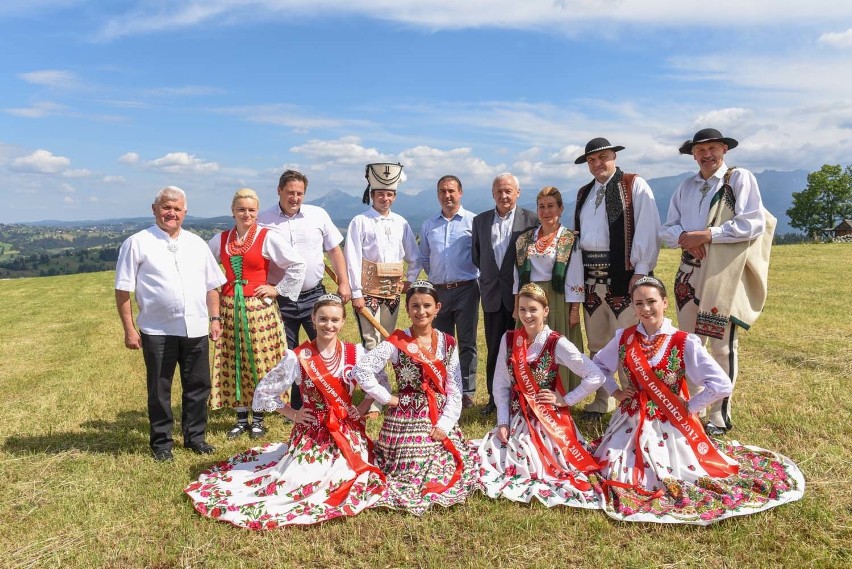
(618, 224)
(717, 219)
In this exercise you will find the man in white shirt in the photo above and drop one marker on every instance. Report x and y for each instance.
(378, 241)
(446, 241)
(494, 234)
(175, 278)
(713, 217)
(309, 230)
(617, 220)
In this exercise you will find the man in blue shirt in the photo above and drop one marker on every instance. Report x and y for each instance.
(445, 253)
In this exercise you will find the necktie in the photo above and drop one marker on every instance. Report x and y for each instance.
(704, 189)
(600, 195)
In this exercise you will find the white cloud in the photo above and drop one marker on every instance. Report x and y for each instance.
(93, 199)
(345, 150)
(129, 158)
(38, 110)
(68, 200)
(114, 180)
(40, 162)
(77, 173)
(837, 39)
(182, 163)
(185, 91)
(67, 188)
(53, 78)
(290, 116)
(566, 16)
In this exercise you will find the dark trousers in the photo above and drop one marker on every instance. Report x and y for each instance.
(459, 316)
(162, 354)
(496, 324)
(295, 315)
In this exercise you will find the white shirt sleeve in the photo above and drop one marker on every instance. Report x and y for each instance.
(453, 387)
(702, 369)
(267, 394)
(369, 370)
(502, 387)
(574, 282)
(412, 253)
(748, 221)
(568, 355)
(352, 255)
(646, 240)
(672, 228)
(607, 362)
(278, 251)
(215, 245)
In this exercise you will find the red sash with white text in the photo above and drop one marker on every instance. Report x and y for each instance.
(655, 389)
(339, 402)
(434, 372)
(560, 426)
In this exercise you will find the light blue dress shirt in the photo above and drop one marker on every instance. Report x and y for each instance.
(445, 248)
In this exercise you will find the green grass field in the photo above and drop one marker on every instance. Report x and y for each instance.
(79, 488)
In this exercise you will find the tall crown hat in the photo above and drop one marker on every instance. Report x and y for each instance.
(381, 176)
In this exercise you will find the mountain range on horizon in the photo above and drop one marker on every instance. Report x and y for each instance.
(776, 189)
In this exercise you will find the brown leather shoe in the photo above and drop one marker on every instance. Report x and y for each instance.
(467, 401)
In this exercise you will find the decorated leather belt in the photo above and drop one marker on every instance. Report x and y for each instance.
(596, 264)
(383, 280)
(687, 259)
(457, 284)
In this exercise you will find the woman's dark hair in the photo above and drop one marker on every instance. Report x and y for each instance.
(652, 282)
(421, 287)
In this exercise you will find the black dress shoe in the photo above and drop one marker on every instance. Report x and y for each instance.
(488, 409)
(591, 416)
(236, 431)
(201, 448)
(256, 430)
(714, 431)
(163, 455)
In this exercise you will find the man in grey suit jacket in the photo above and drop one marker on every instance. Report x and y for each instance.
(494, 234)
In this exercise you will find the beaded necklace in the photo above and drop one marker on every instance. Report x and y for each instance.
(543, 243)
(240, 248)
(651, 347)
(332, 362)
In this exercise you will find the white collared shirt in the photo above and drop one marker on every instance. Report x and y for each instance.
(310, 231)
(501, 234)
(380, 239)
(594, 226)
(171, 278)
(689, 212)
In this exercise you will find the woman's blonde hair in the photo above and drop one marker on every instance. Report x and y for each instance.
(550, 192)
(534, 292)
(244, 193)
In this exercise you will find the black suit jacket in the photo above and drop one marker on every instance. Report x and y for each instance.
(495, 283)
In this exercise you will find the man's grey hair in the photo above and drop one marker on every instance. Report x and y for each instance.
(170, 193)
(506, 176)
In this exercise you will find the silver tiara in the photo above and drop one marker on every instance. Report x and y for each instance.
(331, 297)
(422, 284)
(648, 280)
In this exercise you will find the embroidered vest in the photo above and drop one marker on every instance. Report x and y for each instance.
(564, 246)
(255, 266)
(618, 198)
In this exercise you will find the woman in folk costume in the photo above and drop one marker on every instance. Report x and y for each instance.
(658, 465)
(536, 450)
(544, 257)
(420, 447)
(325, 470)
(252, 332)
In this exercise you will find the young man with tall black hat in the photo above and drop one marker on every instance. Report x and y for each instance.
(618, 224)
(378, 241)
(717, 219)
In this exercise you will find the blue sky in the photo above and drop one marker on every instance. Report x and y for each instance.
(103, 103)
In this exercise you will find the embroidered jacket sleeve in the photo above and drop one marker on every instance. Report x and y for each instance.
(748, 221)
(607, 362)
(502, 388)
(353, 254)
(702, 369)
(370, 369)
(281, 253)
(267, 394)
(381, 376)
(568, 355)
(453, 386)
(646, 240)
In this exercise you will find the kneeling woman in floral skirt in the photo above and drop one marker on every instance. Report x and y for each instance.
(658, 465)
(536, 451)
(420, 448)
(324, 471)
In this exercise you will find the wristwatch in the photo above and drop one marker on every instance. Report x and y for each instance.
(215, 319)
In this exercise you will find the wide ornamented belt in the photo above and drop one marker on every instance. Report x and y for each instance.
(383, 280)
(596, 264)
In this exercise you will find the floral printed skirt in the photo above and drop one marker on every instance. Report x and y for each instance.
(268, 344)
(282, 484)
(411, 459)
(676, 489)
(515, 471)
